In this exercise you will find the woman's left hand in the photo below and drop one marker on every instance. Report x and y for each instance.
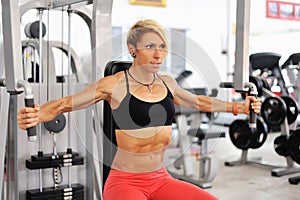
(255, 104)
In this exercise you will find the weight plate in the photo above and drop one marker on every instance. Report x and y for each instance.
(239, 133)
(259, 134)
(281, 145)
(57, 124)
(273, 111)
(292, 108)
(294, 143)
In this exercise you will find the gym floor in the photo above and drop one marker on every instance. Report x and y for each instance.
(250, 181)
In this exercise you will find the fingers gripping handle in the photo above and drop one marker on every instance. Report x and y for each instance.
(29, 102)
(253, 115)
(31, 132)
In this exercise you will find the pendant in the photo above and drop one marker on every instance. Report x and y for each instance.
(150, 87)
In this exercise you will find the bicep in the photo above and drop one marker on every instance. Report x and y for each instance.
(185, 98)
(90, 95)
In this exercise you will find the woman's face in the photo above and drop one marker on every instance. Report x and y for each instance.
(150, 52)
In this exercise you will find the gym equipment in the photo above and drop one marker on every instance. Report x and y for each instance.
(244, 137)
(292, 109)
(32, 30)
(273, 110)
(259, 85)
(110, 143)
(188, 123)
(182, 76)
(281, 145)
(294, 144)
(98, 20)
(269, 62)
(294, 151)
(291, 65)
(29, 101)
(57, 124)
(277, 112)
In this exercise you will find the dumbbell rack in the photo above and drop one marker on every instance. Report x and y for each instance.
(277, 170)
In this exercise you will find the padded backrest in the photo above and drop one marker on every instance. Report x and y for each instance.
(269, 61)
(265, 60)
(109, 141)
(294, 59)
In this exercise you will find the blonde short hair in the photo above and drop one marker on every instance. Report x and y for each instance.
(145, 26)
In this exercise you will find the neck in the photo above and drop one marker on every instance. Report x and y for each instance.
(141, 75)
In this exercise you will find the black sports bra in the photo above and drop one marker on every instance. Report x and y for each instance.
(134, 113)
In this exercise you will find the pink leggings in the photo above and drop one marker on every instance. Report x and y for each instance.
(157, 185)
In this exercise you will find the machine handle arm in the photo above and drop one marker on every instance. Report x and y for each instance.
(29, 102)
(253, 92)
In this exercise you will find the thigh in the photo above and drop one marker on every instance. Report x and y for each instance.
(177, 190)
(121, 193)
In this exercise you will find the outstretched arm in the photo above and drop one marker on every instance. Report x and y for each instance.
(210, 104)
(94, 92)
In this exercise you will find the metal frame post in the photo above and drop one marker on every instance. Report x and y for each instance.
(241, 70)
(101, 54)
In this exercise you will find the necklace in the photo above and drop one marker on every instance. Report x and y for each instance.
(149, 86)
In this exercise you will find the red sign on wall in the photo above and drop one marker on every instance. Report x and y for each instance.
(283, 10)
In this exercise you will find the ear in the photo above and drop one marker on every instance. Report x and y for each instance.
(131, 49)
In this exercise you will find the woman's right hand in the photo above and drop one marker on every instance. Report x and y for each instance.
(28, 117)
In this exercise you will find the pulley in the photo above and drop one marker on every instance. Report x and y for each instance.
(57, 124)
(32, 30)
(273, 110)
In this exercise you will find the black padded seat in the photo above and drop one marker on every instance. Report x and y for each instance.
(109, 141)
(265, 60)
(202, 134)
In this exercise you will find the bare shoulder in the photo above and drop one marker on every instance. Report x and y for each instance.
(108, 84)
(170, 81)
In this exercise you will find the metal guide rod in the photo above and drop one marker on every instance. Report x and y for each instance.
(40, 88)
(241, 70)
(69, 92)
(4, 102)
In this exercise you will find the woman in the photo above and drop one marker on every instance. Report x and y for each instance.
(142, 103)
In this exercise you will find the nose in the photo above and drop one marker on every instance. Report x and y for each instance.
(158, 53)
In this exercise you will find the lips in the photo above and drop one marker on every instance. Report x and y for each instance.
(155, 64)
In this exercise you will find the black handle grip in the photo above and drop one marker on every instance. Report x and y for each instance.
(31, 132)
(253, 115)
(226, 85)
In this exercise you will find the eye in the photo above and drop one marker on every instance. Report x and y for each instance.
(162, 47)
(149, 46)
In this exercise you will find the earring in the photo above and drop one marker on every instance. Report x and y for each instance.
(133, 55)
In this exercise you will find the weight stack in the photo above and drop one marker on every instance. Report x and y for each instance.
(75, 192)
